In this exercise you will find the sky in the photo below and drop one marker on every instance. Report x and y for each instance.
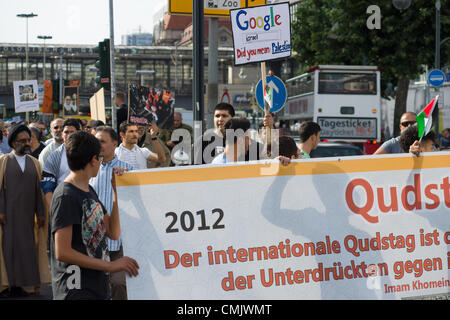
(74, 21)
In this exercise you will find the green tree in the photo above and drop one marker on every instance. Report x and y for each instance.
(336, 32)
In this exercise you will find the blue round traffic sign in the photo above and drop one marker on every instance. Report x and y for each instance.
(277, 96)
(436, 78)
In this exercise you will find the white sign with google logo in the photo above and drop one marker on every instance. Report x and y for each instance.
(261, 33)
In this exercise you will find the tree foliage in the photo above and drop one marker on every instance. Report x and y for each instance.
(335, 32)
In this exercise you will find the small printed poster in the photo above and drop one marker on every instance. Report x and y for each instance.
(71, 101)
(26, 97)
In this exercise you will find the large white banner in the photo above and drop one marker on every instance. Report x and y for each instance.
(261, 33)
(26, 96)
(374, 227)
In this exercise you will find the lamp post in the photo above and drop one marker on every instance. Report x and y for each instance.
(44, 38)
(25, 15)
(437, 60)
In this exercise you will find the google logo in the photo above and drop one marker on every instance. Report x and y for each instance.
(266, 22)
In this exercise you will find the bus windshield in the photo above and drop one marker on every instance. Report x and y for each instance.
(347, 83)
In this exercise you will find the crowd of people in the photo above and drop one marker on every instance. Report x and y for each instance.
(59, 215)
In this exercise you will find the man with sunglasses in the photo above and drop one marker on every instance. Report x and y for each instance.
(392, 146)
(56, 128)
(20, 203)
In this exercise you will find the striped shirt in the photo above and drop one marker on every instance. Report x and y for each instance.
(102, 185)
(55, 170)
(137, 157)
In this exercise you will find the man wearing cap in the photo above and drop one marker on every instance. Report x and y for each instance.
(20, 201)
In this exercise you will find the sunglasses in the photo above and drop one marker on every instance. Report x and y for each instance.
(57, 127)
(408, 123)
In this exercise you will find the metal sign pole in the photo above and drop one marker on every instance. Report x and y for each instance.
(112, 67)
(198, 62)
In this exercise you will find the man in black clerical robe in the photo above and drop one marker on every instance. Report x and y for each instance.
(20, 201)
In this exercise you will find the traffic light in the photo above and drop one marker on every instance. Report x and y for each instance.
(103, 65)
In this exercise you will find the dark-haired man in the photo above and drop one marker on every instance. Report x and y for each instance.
(20, 202)
(109, 140)
(212, 143)
(288, 148)
(122, 110)
(80, 226)
(309, 138)
(128, 151)
(56, 168)
(235, 134)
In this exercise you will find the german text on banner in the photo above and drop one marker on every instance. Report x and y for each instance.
(372, 227)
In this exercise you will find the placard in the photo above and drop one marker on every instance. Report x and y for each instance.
(71, 101)
(26, 97)
(261, 33)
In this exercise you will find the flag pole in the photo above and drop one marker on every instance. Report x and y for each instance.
(266, 108)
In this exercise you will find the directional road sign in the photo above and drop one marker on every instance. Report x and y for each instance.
(436, 78)
(279, 93)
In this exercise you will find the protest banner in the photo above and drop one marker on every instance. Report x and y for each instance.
(330, 228)
(261, 33)
(26, 96)
(150, 104)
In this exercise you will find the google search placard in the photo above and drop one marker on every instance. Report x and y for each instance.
(261, 33)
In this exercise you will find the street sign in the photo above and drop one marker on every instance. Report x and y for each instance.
(279, 93)
(436, 78)
(212, 8)
(261, 34)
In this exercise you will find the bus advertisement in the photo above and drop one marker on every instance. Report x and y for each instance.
(344, 100)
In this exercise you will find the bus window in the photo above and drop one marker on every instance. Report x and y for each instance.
(300, 85)
(347, 83)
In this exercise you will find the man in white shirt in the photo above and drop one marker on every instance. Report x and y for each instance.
(56, 129)
(129, 152)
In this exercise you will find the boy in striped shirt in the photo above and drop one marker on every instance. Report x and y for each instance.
(102, 185)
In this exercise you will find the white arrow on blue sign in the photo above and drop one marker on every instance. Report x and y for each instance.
(279, 93)
(436, 78)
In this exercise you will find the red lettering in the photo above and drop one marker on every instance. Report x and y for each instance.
(445, 186)
(369, 203)
(432, 196)
(176, 256)
(276, 19)
(394, 202)
(447, 238)
(416, 190)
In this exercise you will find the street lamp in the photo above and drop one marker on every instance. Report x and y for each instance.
(24, 15)
(44, 38)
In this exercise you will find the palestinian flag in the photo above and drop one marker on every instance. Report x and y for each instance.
(268, 96)
(424, 118)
